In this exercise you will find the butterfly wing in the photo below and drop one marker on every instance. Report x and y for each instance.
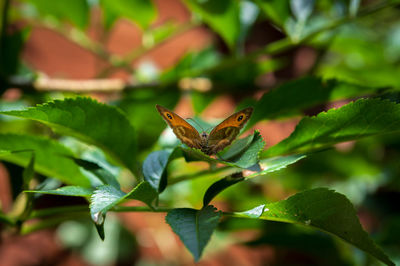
(182, 129)
(226, 132)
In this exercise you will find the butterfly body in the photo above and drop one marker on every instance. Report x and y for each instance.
(220, 137)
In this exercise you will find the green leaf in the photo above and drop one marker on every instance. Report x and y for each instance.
(106, 197)
(5, 219)
(191, 64)
(277, 10)
(301, 9)
(143, 192)
(237, 147)
(75, 11)
(29, 171)
(328, 211)
(201, 100)
(194, 227)
(10, 50)
(256, 212)
(297, 95)
(365, 117)
(221, 15)
(247, 157)
(89, 121)
(143, 102)
(142, 12)
(102, 200)
(276, 163)
(219, 186)
(50, 157)
(105, 176)
(74, 191)
(154, 168)
(243, 153)
(157, 34)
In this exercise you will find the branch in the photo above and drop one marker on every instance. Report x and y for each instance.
(77, 86)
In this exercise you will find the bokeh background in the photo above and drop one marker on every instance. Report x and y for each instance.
(154, 52)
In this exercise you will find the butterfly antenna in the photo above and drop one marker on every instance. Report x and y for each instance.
(196, 123)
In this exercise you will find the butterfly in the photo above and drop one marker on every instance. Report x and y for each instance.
(220, 137)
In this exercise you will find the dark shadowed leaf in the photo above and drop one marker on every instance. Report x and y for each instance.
(219, 186)
(194, 227)
(154, 168)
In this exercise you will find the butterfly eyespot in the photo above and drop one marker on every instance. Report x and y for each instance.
(240, 118)
(169, 116)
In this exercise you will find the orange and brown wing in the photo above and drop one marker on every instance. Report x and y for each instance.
(226, 132)
(182, 129)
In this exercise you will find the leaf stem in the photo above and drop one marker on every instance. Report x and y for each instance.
(139, 209)
(58, 210)
(28, 228)
(208, 172)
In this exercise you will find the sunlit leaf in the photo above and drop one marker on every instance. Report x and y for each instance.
(139, 11)
(75, 11)
(256, 212)
(328, 211)
(29, 171)
(365, 117)
(221, 15)
(273, 164)
(89, 121)
(50, 157)
(277, 10)
(293, 97)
